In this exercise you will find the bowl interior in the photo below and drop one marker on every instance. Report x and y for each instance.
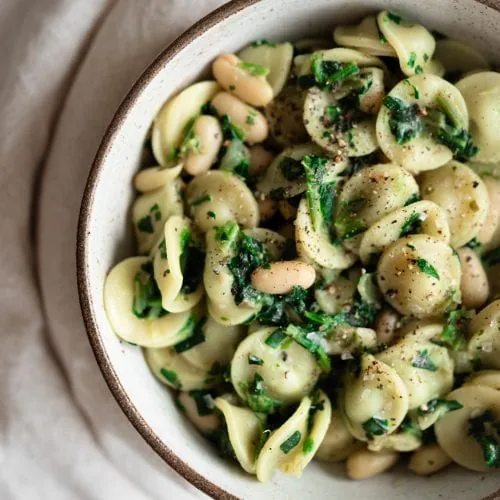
(106, 237)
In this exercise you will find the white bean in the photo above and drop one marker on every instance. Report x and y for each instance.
(205, 423)
(260, 159)
(248, 119)
(363, 464)
(280, 277)
(474, 284)
(428, 460)
(150, 179)
(230, 73)
(208, 131)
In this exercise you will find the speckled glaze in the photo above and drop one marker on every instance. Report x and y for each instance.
(105, 236)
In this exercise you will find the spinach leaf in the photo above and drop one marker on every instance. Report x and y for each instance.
(405, 121)
(254, 69)
(455, 332)
(376, 426)
(258, 398)
(147, 295)
(331, 74)
(204, 401)
(427, 268)
(423, 360)
(412, 224)
(196, 338)
(291, 442)
(441, 405)
(192, 261)
(485, 430)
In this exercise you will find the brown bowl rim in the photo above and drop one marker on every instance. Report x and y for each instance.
(199, 481)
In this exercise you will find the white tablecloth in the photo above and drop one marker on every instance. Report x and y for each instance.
(65, 65)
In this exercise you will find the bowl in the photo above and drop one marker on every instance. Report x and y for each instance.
(105, 236)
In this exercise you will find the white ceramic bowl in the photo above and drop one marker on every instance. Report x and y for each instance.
(105, 236)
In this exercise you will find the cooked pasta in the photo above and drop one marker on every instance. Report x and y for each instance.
(318, 253)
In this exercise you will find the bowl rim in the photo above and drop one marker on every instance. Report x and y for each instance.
(222, 13)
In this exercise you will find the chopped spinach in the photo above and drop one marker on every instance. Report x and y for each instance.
(201, 199)
(412, 199)
(162, 247)
(258, 398)
(412, 59)
(254, 69)
(427, 268)
(405, 121)
(473, 244)
(191, 260)
(204, 401)
(274, 340)
(485, 430)
(376, 426)
(347, 221)
(331, 74)
(230, 130)
(412, 224)
(291, 442)
(408, 426)
(196, 338)
(189, 141)
(291, 168)
(255, 360)
(171, 377)
(236, 158)
(308, 446)
(220, 437)
(423, 361)
(146, 224)
(147, 296)
(455, 331)
(390, 16)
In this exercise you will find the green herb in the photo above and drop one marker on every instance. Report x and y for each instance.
(405, 122)
(211, 214)
(232, 87)
(426, 57)
(197, 337)
(236, 158)
(192, 258)
(347, 222)
(411, 247)
(171, 377)
(204, 401)
(492, 258)
(208, 109)
(320, 195)
(250, 119)
(455, 332)
(291, 168)
(423, 361)
(473, 244)
(254, 69)
(310, 340)
(201, 199)
(147, 302)
(259, 43)
(393, 17)
(331, 74)
(221, 439)
(427, 268)
(257, 397)
(381, 37)
(291, 442)
(146, 224)
(255, 360)
(441, 405)
(230, 130)
(275, 339)
(308, 446)
(189, 142)
(416, 93)
(412, 59)
(162, 247)
(412, 199)
(408, 426)
(485, 429)
(418, 69)
(412, 224)
(376, 426)
(228, 233)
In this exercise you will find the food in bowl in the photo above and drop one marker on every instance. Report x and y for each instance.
(317, 253)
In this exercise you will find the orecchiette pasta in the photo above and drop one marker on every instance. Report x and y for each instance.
(481, 92)
(292, 445)
(462, 434)
(413, 44)
(417, 125)
(320, 221)
(419, 275)
(461, 193)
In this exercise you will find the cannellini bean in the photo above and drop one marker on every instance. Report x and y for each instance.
(206, 423)
(248, 119)
(231, 75)
(208, 131)
(474, 284)
(386, 325)
(363, 464)
(153, 178)
(267, 208)
(428, 460)
(260, 159)
(489, 236)
(287, 210)
(280, 277)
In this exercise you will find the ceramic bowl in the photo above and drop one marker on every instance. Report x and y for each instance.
(105, 236)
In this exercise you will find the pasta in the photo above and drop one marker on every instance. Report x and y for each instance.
(318, 253)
